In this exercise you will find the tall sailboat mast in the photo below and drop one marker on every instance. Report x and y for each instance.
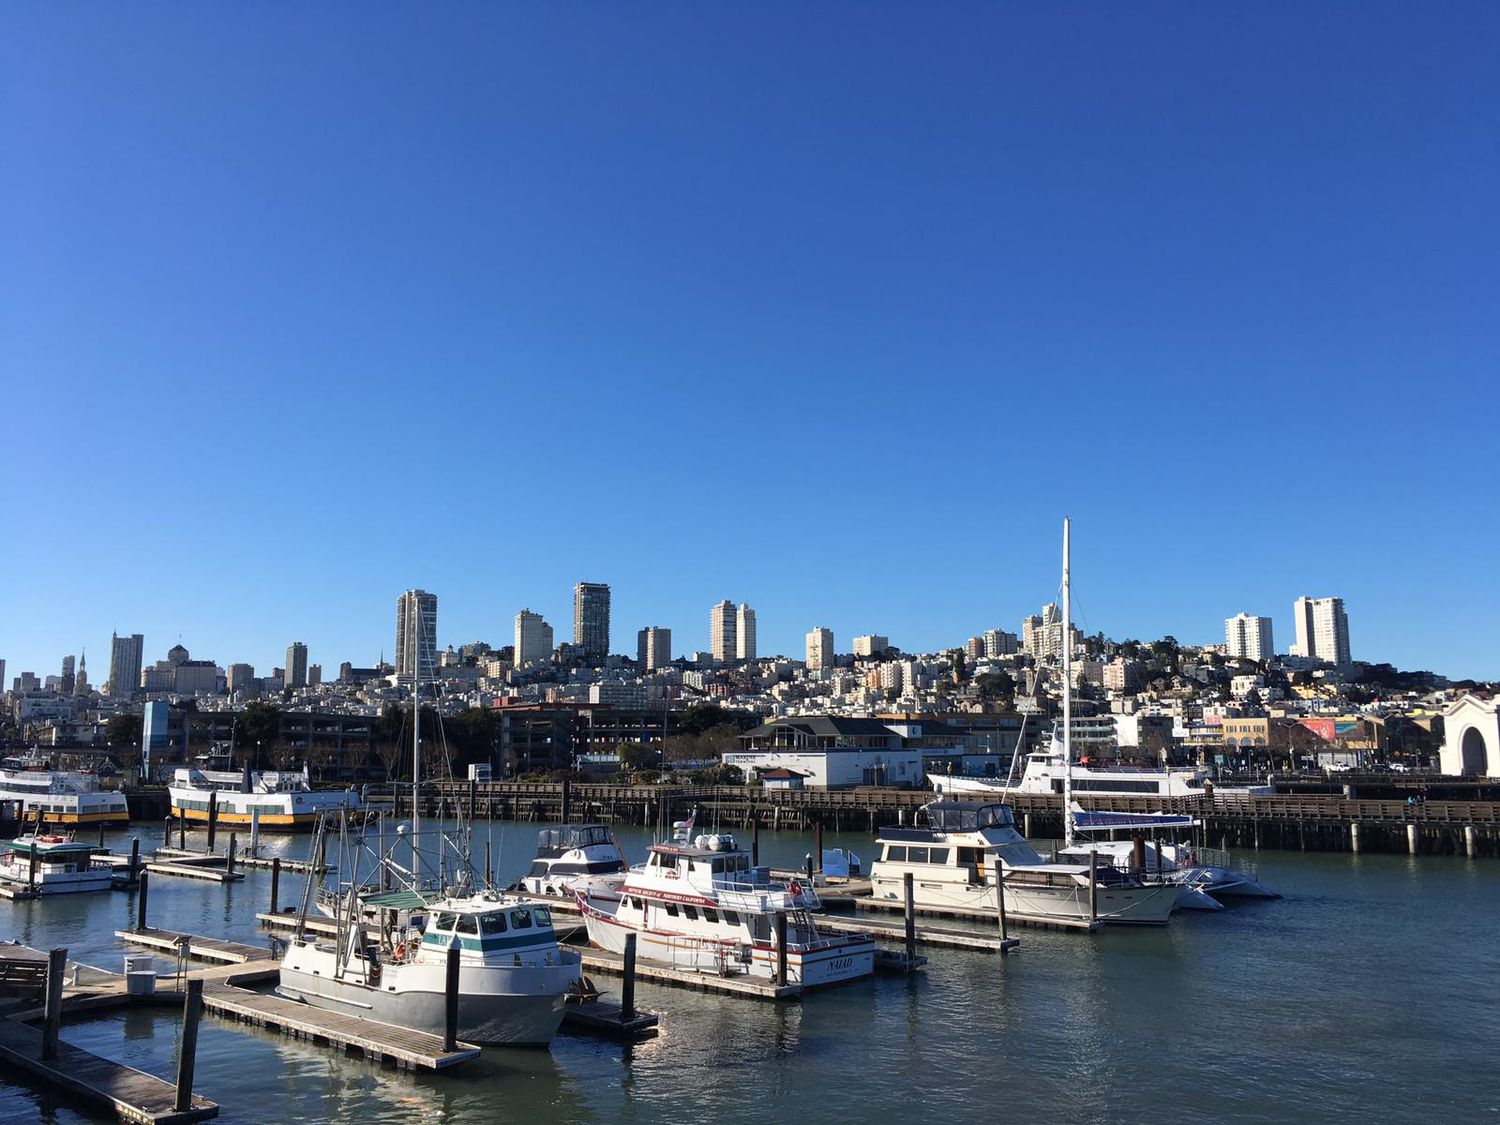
(1067, 694)
(416, 761)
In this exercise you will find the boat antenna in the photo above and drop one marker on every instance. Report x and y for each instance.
(1067, 692)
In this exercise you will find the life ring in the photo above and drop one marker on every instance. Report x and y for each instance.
(401, 952)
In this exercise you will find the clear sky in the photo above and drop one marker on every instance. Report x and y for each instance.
(836, 309)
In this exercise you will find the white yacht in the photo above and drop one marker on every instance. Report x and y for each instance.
(70, 797)
(1044, 774)
(569, 853)
(52, 865)
(513, 976)
(281, 800)
(955, 859)
(699, 904)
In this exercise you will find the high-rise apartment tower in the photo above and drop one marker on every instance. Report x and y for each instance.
(591, 620)
(416, 636)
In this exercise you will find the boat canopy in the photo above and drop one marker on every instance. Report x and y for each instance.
(967, 816)
(573, 836)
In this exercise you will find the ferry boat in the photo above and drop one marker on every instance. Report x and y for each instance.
(956, 858)
(1045, 769)
(70, 797)
(279, 799)
(513, 977)
(572, 852)
(52, 865)
(698, 904)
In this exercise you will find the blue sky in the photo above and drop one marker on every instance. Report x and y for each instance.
(834, 309)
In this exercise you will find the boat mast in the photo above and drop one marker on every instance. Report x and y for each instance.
(416, 759)
(1067, 686)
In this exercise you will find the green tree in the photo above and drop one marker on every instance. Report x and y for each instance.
(636, 755)
(257, 728)
(123, 731)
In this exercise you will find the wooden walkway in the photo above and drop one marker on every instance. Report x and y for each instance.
(97, 1082)
(395, 1046)
(742, 984)
(895, 932)
(198, 948)
(1036, 921)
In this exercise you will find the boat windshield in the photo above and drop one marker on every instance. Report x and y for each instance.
(573, 836)
(961, 816)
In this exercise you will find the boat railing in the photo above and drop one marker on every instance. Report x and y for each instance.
(762, 898)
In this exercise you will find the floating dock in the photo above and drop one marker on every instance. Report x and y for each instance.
(130, 1094)
(198, 948)
(892, 906)
(742, 984)
(895, 932)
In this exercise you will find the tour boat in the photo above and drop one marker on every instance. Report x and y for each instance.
(513, 977)
(61, 796)
(1044, 775)
(955, 858)
(52, 865)
(699, 904)
(278, 799)
(569, 853)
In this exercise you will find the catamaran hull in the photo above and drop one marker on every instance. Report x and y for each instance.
(520, 1009)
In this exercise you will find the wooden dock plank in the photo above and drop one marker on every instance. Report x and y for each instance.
(399, 1045)
(186, 871)
(130, 1094)
(199, 948)
(603, 961)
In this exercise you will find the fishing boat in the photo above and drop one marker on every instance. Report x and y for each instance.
(513, 978)
(698, 903)
(52, 865)
(569, 853)
(69, 797)
(279, 800)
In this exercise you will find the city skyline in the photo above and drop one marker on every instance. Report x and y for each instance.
(1122, 271)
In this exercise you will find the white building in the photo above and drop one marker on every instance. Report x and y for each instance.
(1471, 738)
(744, 639)
(820, 648)
(722, 632)
(1248, 637)
(997, 642)
(653, 647)
(416, 635)
(872, 645)
(533, 639)
(1322, 629)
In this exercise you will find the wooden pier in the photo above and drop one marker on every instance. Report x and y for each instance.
(129, 1094)
(197, 947)
(381, 1042)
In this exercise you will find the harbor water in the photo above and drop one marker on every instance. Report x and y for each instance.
(1371, 991)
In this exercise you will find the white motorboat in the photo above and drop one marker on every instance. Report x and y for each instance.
(52, 865)
(955, 859)
(699, 904)
(279, 800)
(513, 977)
(69, 797)
(569, 853)
(1044, 774)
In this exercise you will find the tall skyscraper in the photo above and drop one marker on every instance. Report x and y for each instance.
(1322, 629)
(820, 648)
(1248, 637)
(66, 687)
(744, 633)
(653, 647)
(125, 654)
(533, 639)
(416, 635)
(591, 620)
(296, 662)
(721, 632)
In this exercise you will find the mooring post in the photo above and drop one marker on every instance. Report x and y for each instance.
(911, 917)
(818, 841)
(627, 990)
(57, 966)
(101, 837)
(1354, 836)
(781, 948)
(31, 861)
(1026, 825)
(450, 1002)
(213, 818)
(182, 831)
(1411, 839)
(755, 842)
(187, 1057)
(140, 901)
(166, 831)
(233, 846)
(135, 858)
(1000, 905)
(275, 883)
(255, 830)
(1093, 884)
(1470, 841)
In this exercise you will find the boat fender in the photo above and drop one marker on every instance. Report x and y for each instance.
(401, 952)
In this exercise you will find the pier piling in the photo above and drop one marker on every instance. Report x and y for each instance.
(233, 847)
(213, 819)
(1354, 836)
(755, 842)
(781, 949)
(450, 1002)
(275, 883)
(1470, 841)
(911, 916)
(627, 990)
(1000, 910)
(818, 843)
(1411, 839)
(140, 901)
(57, 966)
(135, 858)
(187, 1056)
(1093, 884)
